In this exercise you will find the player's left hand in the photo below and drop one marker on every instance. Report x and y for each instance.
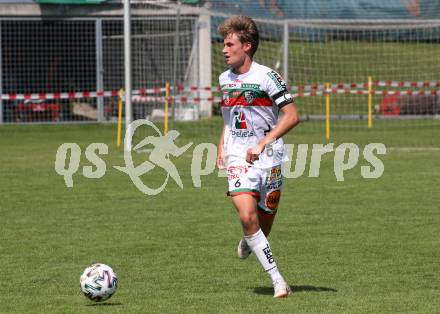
(253, 153)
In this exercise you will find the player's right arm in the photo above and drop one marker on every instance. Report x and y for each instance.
(220, 150)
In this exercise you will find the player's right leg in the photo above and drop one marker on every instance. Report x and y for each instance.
(242, 180)
(265, 221)
(246, 205)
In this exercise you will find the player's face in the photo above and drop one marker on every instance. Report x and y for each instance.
(234, 51)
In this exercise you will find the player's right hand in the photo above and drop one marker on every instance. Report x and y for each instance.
(253, 154)
(220, 162)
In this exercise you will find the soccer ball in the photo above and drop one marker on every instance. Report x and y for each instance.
(98, 282)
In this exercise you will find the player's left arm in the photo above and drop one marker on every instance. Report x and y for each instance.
(277, 89)
(287, 122)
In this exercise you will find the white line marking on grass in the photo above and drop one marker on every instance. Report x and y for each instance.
(414, 149)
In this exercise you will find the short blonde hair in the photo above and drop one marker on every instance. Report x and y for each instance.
(245, 29)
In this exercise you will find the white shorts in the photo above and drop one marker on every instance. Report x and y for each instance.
(264, 184)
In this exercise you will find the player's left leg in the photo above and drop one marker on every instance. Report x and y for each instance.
(270, 195)
(266, 221)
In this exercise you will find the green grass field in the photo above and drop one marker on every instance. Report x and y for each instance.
(358, 246)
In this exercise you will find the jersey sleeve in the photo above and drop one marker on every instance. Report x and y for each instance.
(276, 88)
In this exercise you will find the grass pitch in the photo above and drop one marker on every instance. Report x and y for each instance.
(360, 246)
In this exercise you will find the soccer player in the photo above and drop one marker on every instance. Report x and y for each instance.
(250, 147)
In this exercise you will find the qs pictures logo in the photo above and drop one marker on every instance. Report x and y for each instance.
(204, 155)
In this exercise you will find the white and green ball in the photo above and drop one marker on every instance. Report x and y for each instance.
(98, 282)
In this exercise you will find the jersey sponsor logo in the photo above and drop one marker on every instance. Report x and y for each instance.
(236, 172)
(249, 96)
(226, 97)
(236, 93)
(240, 120)
(241, 125)
(243, 133)
(251, 86)
(277, 79)
(272, 199)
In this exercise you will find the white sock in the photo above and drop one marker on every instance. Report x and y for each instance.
(260, 246)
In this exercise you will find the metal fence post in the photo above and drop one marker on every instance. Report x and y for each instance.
(99, 69)
(286, 52)
(205, 63)
(1, 76)
(175, 64)
(128, 74)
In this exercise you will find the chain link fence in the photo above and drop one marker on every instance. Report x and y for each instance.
(72, 69)
(67, 70)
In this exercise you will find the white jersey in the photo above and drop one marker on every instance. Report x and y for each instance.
(250, 106)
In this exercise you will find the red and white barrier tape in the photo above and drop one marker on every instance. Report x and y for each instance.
(183, 99)
(178, 99)
(365, 92)
(302, 91)
(333, 86)
(406, 84)
(56, 96)
(408, 92)
(365, 85)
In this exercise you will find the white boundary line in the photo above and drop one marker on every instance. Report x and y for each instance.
(414, 149)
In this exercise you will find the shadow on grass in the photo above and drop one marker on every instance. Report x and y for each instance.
(295, 289)
(105, 304)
